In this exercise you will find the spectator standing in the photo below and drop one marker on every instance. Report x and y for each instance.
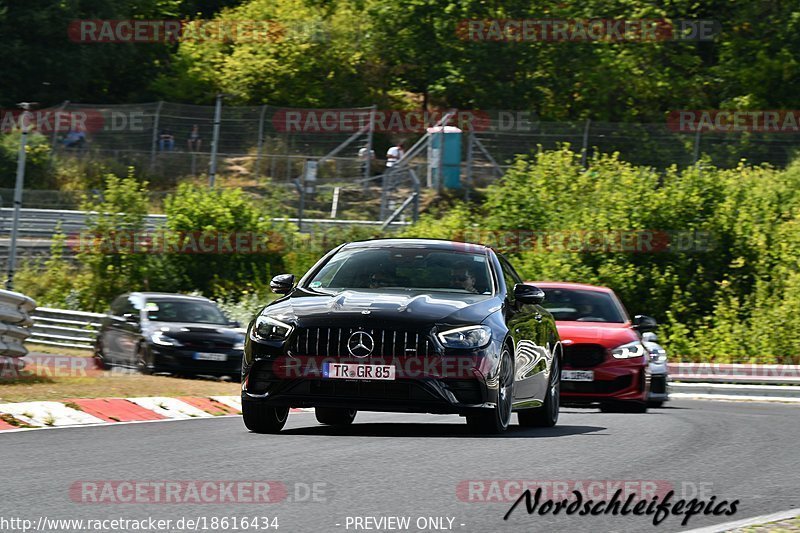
(395, 154)
(166, 141)
(195, 142)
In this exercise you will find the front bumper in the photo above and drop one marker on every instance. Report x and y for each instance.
(442, 384)
(183, 360)
(659, 390)
(614, 379)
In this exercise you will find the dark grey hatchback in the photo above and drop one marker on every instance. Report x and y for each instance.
(158, 332)
(404, 325)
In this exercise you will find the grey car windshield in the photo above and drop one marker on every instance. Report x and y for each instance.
(196, 312)
(582, 306)
(412, 269)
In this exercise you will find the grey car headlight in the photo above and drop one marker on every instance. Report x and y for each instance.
(161, 339)
(466, 337)
(270, 329)
(658, 355)
(629, 351)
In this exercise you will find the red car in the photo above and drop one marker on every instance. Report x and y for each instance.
(604, 358)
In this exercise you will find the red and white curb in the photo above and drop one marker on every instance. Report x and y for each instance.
(107, 411)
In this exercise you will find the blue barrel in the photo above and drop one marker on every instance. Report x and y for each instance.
(445, 144)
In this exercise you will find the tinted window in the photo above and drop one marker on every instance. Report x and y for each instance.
(510, 276)
(582, 305)
(191, 311)
(405, 269)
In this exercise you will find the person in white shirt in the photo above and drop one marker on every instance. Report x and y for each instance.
(394, 154)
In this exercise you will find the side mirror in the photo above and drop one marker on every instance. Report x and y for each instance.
(131, 317)
(282, 284)
(644, 323)
(528, 294)
(649, 336)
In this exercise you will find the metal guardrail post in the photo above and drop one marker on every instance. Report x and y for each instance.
(15, 319)
(65, 328)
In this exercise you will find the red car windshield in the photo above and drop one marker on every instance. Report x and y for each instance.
(582, 306)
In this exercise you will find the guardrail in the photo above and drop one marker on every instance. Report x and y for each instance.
(15, 309)
(66, 328)
(735, 381)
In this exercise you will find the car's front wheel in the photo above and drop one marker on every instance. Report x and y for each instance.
(496, 420)
(99, 357)
(333, 416)
(547, 414)
(146, 360)
(260, 418)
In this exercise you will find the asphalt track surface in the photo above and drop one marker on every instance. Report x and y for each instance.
(413, 465)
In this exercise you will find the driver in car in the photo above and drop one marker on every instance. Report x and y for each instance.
(463, 278)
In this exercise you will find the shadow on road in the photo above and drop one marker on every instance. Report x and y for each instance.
(400, 430)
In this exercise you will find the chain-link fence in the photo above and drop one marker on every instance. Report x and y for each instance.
(341, 151)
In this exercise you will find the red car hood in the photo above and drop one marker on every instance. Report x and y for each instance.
(608, 335)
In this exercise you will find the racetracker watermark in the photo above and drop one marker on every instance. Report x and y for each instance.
(94, 31)
(403, 366)
(379, 121)
(721, 121)
(48, 121)
(166, 242)
(586, 30)
(744, 371)
(590, 241)
(170, 492)
(51, 366)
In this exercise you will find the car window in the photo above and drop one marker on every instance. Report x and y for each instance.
(405, 269)
(582, 305)
(190, 311)
(510, 276)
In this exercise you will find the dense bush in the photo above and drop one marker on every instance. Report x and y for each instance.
(724, 289)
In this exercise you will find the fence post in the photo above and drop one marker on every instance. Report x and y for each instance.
(370, 132)
(54, 139)
(470, 155)
(212, 169)
(260, 141)
(585, 149)
(154, 143)
(696, 156)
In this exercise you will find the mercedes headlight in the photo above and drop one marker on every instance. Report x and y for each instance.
(162, 339)
(270, 329)
(466, 337)
(629, 351)
(658, 355)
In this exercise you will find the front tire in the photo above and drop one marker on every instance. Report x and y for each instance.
(260, 418)
(145, 360)
(545, 416)
(496, 421)
(100, 360)
(332, 416)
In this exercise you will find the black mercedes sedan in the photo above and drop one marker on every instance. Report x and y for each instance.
(404, 325)
(157, 332)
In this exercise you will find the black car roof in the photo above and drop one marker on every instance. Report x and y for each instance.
(436, 244)
(167, 295)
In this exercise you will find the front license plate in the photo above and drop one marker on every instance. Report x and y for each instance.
(356, 371)
(577, 375)
(202, 356)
